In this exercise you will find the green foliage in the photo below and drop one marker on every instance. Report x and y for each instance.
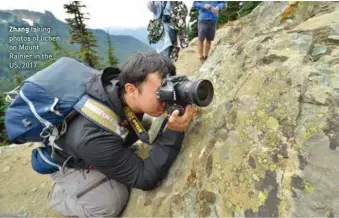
(80, 35)
(3, 134)
(17, 78)
(193, 27)
(248, 7)
(58, 51)
(236, 9)
(112, 60)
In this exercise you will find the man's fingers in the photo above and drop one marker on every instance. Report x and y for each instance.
(173, 116)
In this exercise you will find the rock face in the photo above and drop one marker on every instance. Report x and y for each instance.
(268, 145)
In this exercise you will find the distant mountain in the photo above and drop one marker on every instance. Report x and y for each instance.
(124, 45)
(139, 33)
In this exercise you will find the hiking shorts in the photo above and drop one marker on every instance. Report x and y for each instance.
(206, 30)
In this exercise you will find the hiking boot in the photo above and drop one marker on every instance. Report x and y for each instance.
(202, 60)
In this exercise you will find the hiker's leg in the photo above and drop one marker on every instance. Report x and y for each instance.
(201, 37)
(173, 34)
(74, 195)
(207, 46)
(210, 34)
(166, 52)
(200, 48)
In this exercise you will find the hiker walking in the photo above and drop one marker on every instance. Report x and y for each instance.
(168, 27)
(208, 16)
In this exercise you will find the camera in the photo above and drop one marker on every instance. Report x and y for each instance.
(179, 91)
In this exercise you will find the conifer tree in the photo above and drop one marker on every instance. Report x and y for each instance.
(58, 51)
(79, 34)
(3, 134)
(193, 23)
(112, 60)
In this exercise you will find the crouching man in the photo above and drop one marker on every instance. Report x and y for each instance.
(97, 179)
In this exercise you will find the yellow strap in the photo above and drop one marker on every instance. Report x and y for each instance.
(104, 116)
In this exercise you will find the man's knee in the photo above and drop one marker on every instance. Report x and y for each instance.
(107, 199)
(109, 203)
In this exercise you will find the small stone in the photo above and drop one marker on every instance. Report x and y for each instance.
(319, 50)
(264, 161)
(34, 189)
(218, 166)
(6, 169)
(255, 177)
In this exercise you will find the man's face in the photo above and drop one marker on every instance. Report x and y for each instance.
(145, 97)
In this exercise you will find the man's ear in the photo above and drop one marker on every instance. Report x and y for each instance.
(130, 88)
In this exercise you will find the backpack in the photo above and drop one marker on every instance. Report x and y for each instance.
(44, 102)
(155, 28)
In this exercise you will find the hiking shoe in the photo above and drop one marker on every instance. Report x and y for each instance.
(202, 60)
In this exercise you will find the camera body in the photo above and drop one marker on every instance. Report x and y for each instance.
(178, 91)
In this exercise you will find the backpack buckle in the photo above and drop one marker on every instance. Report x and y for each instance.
(46, 132)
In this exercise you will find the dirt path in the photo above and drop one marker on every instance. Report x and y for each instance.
(22, 191)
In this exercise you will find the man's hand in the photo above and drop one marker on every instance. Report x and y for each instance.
(180, 123)
(215, 10)
(207, 6)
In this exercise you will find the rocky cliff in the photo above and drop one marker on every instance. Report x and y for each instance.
(268, 144)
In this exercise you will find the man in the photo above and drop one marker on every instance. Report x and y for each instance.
(208, 16)
(173, 15)
(102, 168)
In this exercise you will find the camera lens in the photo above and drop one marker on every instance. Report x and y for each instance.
(199, 92)
(202, 92)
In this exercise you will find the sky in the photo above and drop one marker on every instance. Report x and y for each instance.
(103, 13)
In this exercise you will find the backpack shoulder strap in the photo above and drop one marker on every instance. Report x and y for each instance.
(100, 114)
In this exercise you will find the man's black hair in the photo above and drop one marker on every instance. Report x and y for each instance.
(136, 69)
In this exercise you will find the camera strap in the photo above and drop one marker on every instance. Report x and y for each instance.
(138, 127)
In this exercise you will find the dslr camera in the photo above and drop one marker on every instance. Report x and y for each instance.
(178, 91)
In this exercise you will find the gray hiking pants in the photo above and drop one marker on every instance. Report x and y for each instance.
(83, 194)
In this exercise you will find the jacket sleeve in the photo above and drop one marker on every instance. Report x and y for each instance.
(152, 7)
(105, 151)
(221, 5)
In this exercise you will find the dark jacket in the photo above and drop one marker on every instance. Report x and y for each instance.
(109, 154)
